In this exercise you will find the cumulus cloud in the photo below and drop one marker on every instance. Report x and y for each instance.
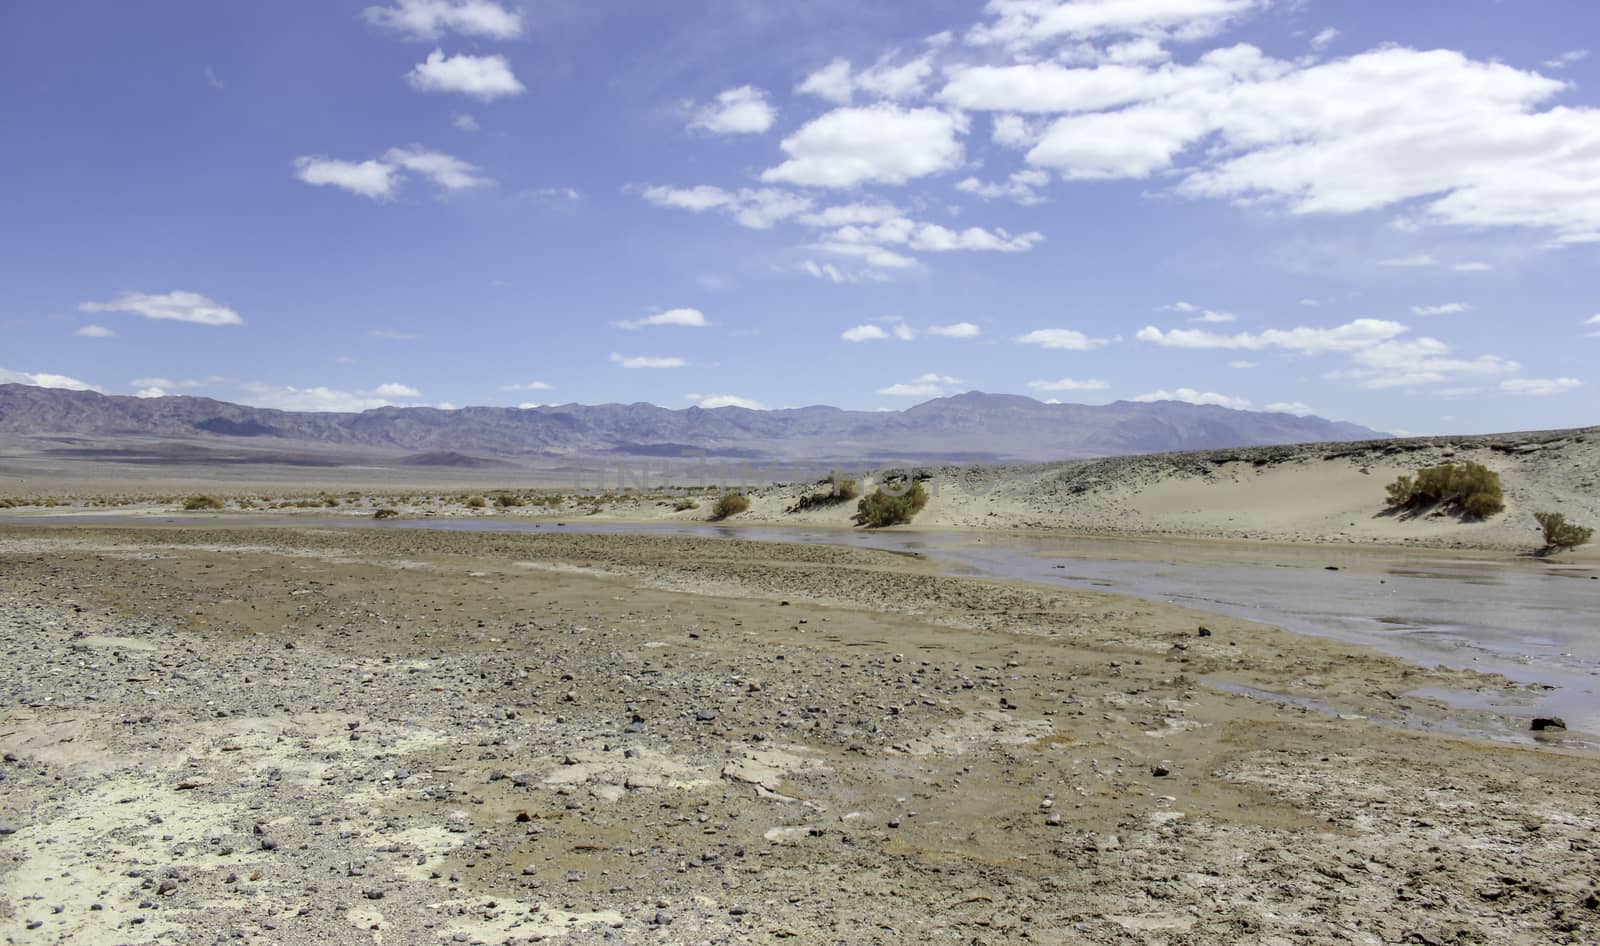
(691, 318)
(483, 77)
(44, 380)
(714, 401)
(1027, 23)
(1448, 308)
(1296, 408)
(396, 389)
(380, 178)
(528, 386)
(956, 330)
(741, 111)
(1348, 337)
(1540, 387)
(888, 78)
(320, 399)
(646, 361)
(1322, 41)
(1241, 364)
(1193, 396)
(429, 19)
(882, 144)
(177, 306)
(1068, 384)
(1202, 314)
(95, 331)
(928, 385)
(864, 333)
(1416, 362)
(1022, 187)
(1060, 338)
(756, 208)
(934, 238)
(1567, 59)
(856, 214)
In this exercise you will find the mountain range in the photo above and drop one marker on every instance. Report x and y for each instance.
(963, 428)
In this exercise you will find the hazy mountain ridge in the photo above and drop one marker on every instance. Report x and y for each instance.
(994, 425)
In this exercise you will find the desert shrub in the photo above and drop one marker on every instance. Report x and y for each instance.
(386, 513)
(196, 503)
(508, 500)
(476, 502)
(1470, 489)
(1559, 533)
(890, 507)
(730, 504)
(684, 505)
(837, 490)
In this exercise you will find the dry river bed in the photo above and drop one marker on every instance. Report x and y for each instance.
(295, 735)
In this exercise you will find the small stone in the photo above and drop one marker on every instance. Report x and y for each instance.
(662, 918)
(1161, 769)
(705, 715)
(166, 887)
(372, 893)
(1203, 632)
(6, 828)
(1542, 723)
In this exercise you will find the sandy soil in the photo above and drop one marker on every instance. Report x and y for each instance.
(1309, 494)
(305, 735)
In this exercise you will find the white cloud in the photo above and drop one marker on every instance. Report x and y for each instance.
(957, 330)
(95, 331)
(1592, 320)
(375, 179)
(1319, 42)
(447, 172)
(428, 19)
(1410, 262)
(1348, 337)
(864, 333)
(1416, 362)
(396, 389)
(1540, 387)
(484, 77)
(691, 318)
(1472, 267)
(465, 122)
(169, 383)
(934, 238)
(646, 361)
(839, 274)
(1060, 338)
(1192, 396)
(741, 111)
(177, 306)
(45, 380)
(318, 398)
(714, 401)
(1068, 384)
(147, 393)
(1448, 308)
(554, 195)
(928, 385)
(1296, 408)
(1463, 137)
(392, 335)
(875, 144)
(530, 386)
(871, 255)
(380, 178)
(843, 215)
(1242, 364)
(1022, 186)
(1024, 23)
(756, 208)
(1203, 314)
(885, 79)
(1567, 59)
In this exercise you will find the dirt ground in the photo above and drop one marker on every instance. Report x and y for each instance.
(309, 735)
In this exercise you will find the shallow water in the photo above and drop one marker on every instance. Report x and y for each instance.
(1526, 621)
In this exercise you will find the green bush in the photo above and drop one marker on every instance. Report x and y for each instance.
(1470, 489)
(731, 504)
(839, 490)
(386, 513)
(1559, 533)
(476, 502)
(684, 505)
(196, 503)
(508, 500)
(890, 507)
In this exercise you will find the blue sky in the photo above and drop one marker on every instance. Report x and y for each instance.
(1362, 209)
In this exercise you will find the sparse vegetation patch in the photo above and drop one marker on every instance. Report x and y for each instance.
(1559, 533)
(891, 505)
(199, 503)
(1466, 489)
(731, 504)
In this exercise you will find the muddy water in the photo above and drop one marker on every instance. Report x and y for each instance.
(1532, 623)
